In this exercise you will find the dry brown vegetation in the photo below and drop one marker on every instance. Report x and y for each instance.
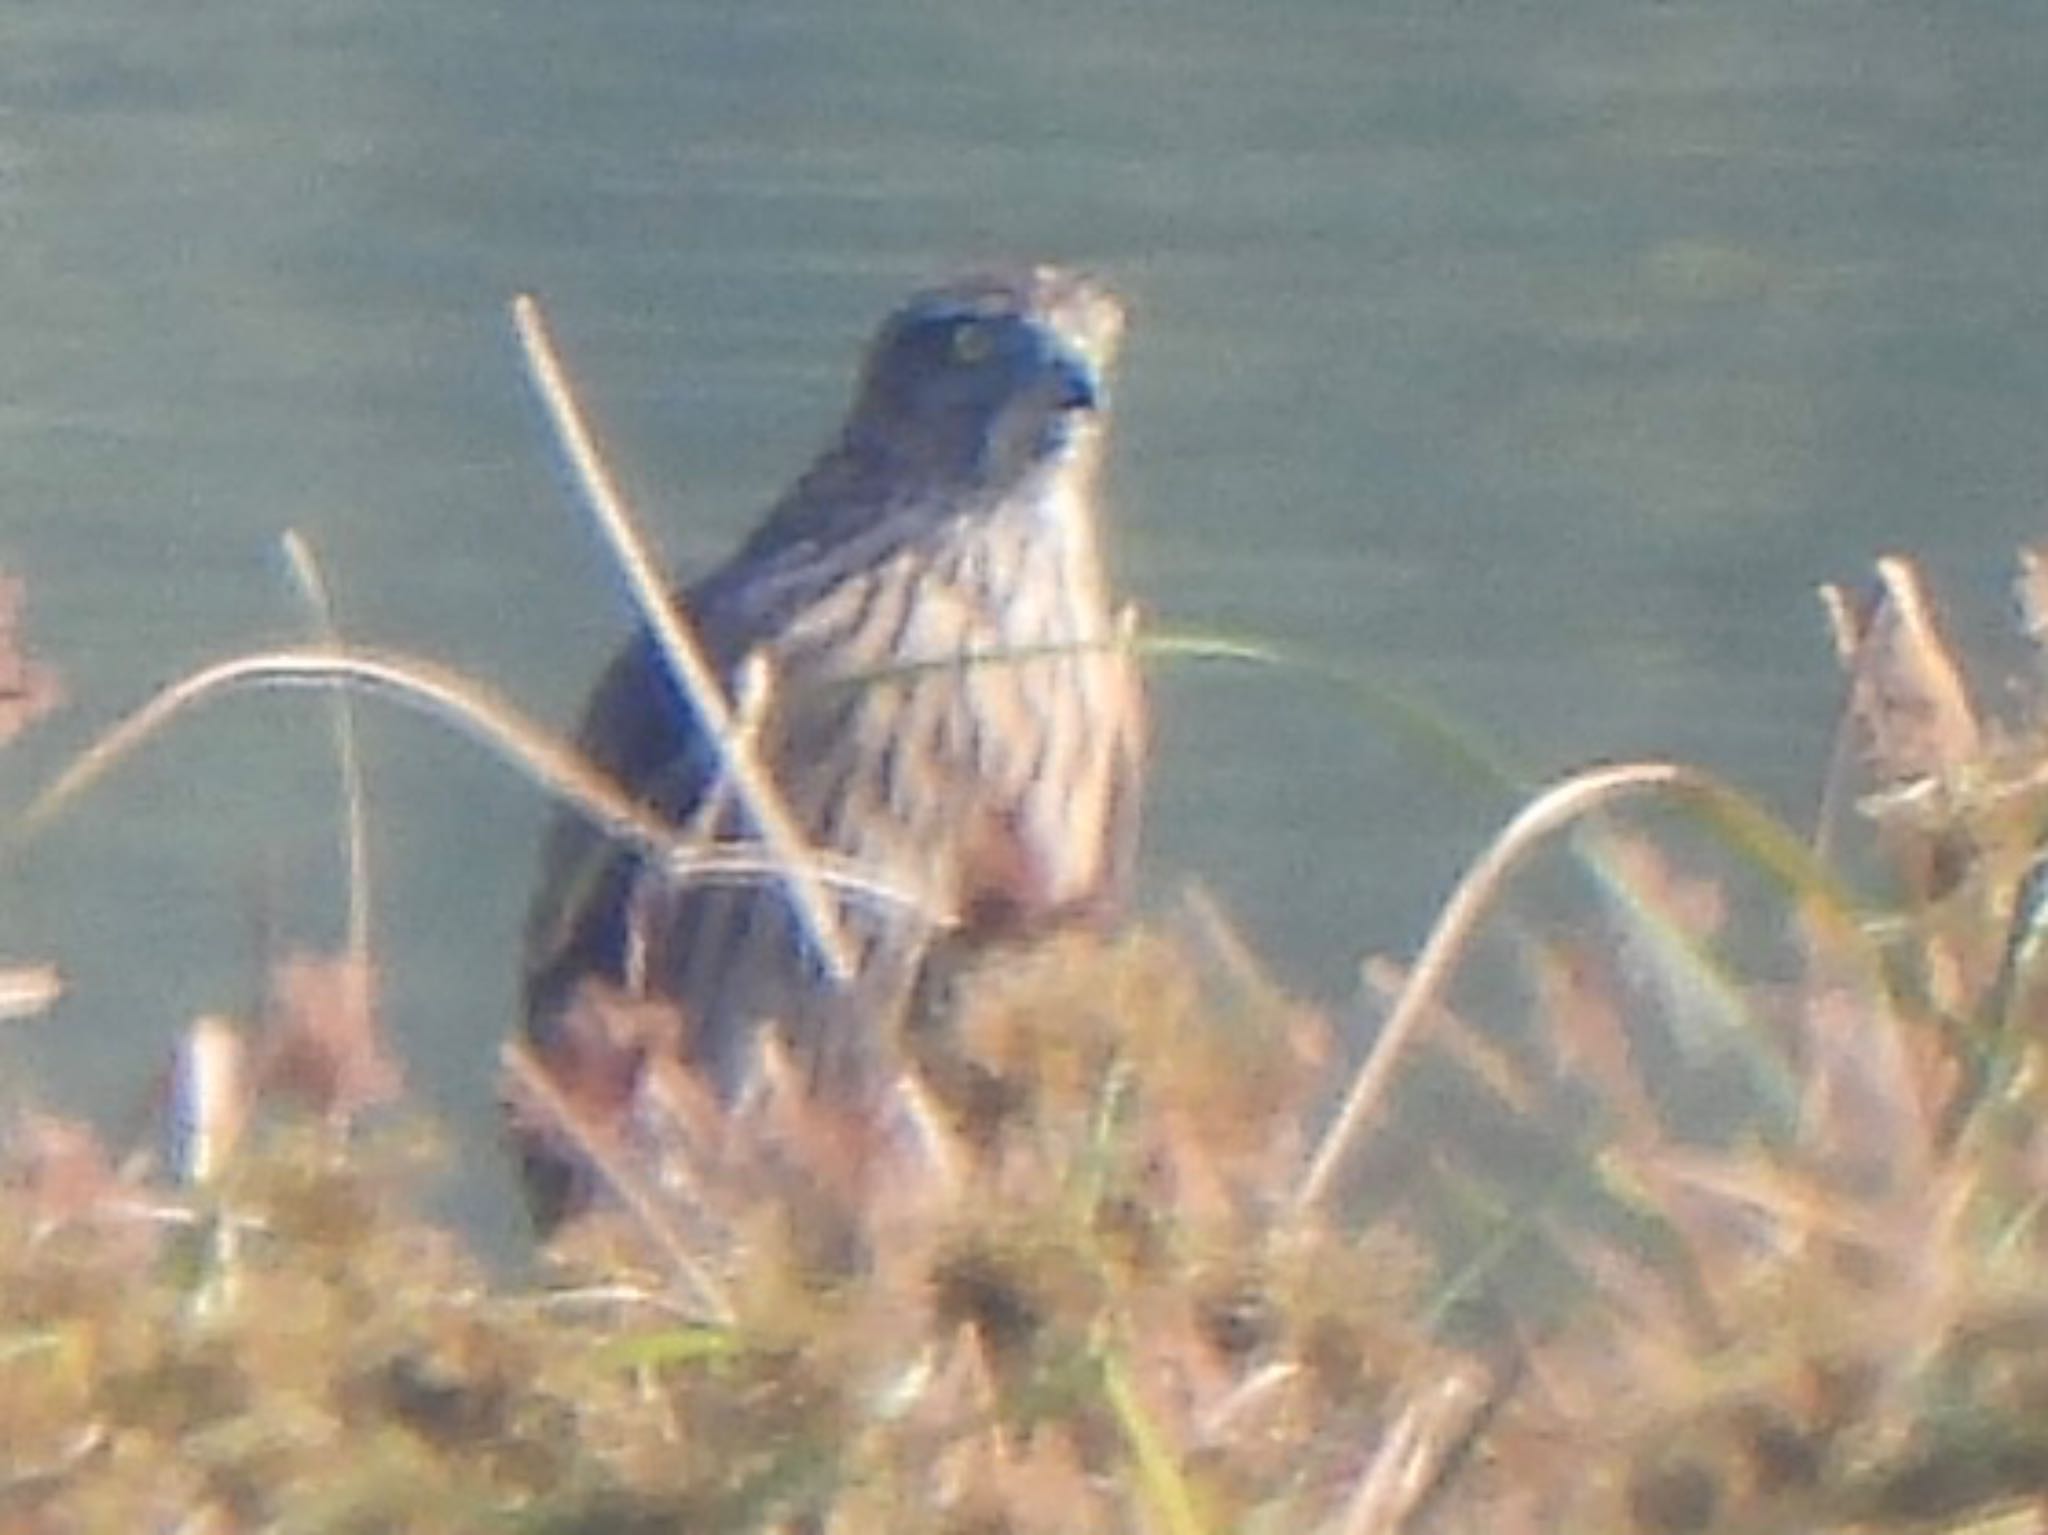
(1710, 1203)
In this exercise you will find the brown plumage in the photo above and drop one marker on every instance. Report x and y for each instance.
(946, 708)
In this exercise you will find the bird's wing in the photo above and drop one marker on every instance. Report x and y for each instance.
(639, 731)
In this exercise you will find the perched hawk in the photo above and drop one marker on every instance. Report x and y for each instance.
(946, 708)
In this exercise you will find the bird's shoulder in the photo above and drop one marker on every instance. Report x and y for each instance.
(636, 723)
(842, 520)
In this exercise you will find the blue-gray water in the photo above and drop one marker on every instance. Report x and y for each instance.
(1541, 357)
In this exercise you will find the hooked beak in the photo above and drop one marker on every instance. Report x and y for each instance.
(1075, 385)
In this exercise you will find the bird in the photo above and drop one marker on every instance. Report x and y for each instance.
(923, 640)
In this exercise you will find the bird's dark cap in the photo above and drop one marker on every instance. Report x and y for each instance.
(1080, 310)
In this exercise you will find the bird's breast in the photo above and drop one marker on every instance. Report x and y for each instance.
(959, 719)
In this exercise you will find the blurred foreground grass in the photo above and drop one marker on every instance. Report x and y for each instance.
(1703, 1193)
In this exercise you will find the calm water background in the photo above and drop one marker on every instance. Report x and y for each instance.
(1542, 357)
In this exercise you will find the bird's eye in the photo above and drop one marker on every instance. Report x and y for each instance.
(970, 342)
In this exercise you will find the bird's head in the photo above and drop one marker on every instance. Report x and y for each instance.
(983, 381)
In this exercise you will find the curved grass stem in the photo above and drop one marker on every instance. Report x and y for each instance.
(312, 585)
(478, 713)
(1768, 841)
